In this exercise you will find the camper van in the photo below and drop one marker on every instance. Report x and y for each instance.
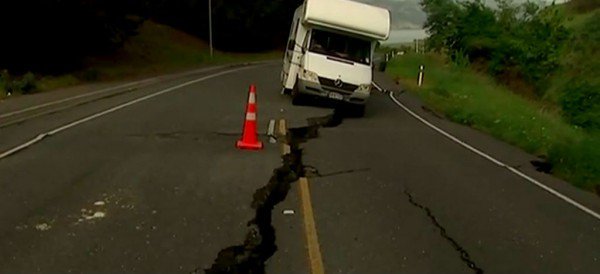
(330, 50)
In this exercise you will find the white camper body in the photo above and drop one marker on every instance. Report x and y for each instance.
(330, 48)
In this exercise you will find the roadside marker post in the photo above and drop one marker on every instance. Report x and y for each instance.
(421, 75)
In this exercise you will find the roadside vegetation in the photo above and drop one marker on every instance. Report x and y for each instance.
(156, 49)
(524, 74)
(64, 43)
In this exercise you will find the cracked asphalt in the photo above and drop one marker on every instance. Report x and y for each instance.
(159, 187)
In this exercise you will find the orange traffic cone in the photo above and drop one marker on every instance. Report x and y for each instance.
(249, 136)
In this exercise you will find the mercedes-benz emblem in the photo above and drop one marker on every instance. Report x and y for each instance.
(338, 83)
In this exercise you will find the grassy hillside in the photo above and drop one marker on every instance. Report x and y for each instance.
(156, 49)
(542, 126)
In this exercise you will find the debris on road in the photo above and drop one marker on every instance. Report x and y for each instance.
(43, 227)
(99, 203)
(97, 215)
(289, 212)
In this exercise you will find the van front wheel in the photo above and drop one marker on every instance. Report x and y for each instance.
(358, 110)
(297, 97)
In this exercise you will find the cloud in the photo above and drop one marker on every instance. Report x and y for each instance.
(407, 14)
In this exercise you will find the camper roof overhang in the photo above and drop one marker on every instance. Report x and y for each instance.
(348, 16)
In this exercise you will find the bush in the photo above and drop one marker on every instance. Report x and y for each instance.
(580, 103)
(6, 84)
(2, 89)
(90, 74)
(27, 84)
(523, 40)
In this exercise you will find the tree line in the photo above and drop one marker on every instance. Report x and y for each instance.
(53, 36)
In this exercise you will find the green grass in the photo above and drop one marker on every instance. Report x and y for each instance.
(157, 49)
(476, 100)
(50, 83)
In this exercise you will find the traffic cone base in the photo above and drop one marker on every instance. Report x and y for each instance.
(244, 145)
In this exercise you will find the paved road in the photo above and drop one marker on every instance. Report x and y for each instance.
(154, 184)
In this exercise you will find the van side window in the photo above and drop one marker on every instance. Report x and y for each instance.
(292, 42)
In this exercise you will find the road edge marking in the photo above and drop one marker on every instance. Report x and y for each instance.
(312, 240)
(42, 136)
(496, 161)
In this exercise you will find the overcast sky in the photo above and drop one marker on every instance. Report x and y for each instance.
(408, 13)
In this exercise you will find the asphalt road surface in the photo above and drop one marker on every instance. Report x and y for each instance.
(144, 177)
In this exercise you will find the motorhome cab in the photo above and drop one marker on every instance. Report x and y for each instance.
(330, 49)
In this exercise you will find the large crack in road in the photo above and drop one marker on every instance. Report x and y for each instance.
(259, 244)
(464, 255)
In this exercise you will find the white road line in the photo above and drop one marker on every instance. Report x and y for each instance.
(497, 162)
(140, 82)
(72, 98)
(41, 136)
(377, 87)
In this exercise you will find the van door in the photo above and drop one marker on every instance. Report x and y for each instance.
(289, 52)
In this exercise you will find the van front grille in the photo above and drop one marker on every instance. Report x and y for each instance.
(326, 82)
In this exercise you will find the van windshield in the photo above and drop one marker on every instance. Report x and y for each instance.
(340, 46)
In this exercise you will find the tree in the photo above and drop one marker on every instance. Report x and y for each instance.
(522, 41)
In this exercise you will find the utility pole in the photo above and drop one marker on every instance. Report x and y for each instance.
(210, 39)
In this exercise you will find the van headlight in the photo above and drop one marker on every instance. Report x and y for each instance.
(309, 75)
(364, 88)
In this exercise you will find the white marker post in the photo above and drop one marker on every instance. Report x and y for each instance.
(421, 75)
(417, 45)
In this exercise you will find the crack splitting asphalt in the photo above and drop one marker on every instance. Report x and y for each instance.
(464, 255)
(316, 173)
(259, 244)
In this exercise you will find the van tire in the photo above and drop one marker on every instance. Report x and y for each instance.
(286, 91)
(358, 110)
(297, 98)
